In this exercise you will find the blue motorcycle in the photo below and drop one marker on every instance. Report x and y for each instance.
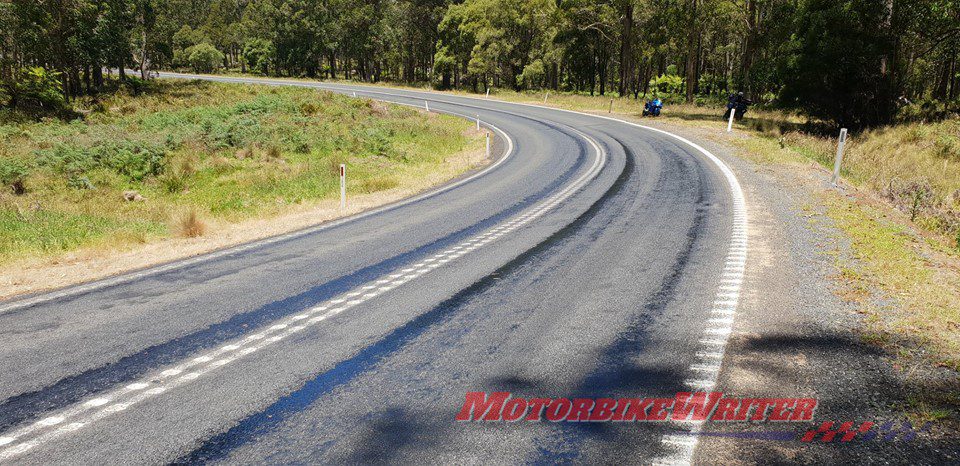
(653, 107)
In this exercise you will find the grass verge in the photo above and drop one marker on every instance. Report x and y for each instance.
(188, 160)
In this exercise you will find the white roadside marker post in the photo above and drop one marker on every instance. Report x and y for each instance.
(478, 122)
(426, 105)
(839, 159)
(545, 96)
(733, 112)
(488, 145)
(354, 94)
(488, 92)
(610, 110)
(343, 187)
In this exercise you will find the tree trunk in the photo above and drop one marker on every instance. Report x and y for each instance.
(143, 46)
(691, 67)
(98, 75)
(749, 44)
(626, 48)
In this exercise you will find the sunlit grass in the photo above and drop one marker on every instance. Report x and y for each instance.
(220, 152)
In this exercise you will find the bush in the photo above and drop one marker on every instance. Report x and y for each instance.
(133, 159)
(12, 175)
(712, 85)
(532, 75)
(668, 84)
(258, 54)
(204, 58)
(36, 90)
(135, 85)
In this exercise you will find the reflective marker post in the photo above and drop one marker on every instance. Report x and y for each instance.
(488, 92)
(488, 145)
(610, 110)
(733, 112)
(343, 187)
(839, 159)
(545, 96)
(478, 122)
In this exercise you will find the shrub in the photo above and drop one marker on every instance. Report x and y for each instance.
(36, 90)
(204, 58)
(135, 85)
(68, 159)
(259, 55)
(668, 84)
(80, 182)
(532, 75)
(12, 175)
(712, 85)
(134, 159)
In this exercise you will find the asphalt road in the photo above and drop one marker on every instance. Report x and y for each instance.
(595, 258)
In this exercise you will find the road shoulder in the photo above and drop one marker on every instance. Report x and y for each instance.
(803, 331)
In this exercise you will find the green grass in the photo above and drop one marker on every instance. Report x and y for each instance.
(229, 152)
(887, 256)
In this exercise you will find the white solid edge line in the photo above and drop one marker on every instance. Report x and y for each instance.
(532, 213)
(739, 204)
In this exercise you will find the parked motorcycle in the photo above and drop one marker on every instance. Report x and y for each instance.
(652, 108)
(740, 103)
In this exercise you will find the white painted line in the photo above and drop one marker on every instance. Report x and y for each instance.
(125, 278)
(140, 395)
(50, 421)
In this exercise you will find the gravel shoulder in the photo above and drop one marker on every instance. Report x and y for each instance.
(799, 333)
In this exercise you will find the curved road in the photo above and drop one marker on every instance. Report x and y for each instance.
(595, 258)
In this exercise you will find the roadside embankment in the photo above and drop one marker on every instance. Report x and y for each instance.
(181, 168)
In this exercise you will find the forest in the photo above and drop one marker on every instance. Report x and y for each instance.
(853, 63)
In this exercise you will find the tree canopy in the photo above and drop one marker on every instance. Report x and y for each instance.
(851, 62)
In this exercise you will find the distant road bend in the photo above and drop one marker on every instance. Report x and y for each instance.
(595, 258)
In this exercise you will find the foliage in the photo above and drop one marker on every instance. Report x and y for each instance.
(835, 72)
(135, 160)
(230, 152)
(833, 60)
(204, 58)
(13, 173)
(668, 84)
(36, 91)
(258, 53)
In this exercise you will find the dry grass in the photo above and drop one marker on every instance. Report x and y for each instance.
(190, 225)
(274, 152)
(380, 183)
